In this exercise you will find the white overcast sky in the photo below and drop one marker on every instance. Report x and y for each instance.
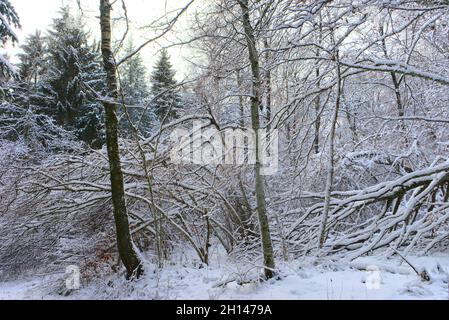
(38, 14)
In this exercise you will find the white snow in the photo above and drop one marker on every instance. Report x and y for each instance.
(27, 289)
(8, 65)
(299, 280)
(7, 26)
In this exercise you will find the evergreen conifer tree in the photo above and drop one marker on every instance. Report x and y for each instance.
(166, 100)
(32, 60)
(8, 21)
(32, 69)
(135, 90)
(74, 75)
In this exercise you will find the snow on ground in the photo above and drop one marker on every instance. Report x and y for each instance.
(305, 279)
(27, 289)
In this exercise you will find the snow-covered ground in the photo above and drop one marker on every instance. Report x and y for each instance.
(300, 279)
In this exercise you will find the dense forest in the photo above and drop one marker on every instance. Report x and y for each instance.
(313, 137)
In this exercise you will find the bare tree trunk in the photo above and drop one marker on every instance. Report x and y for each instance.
(330, 165)
(316, 142)
(126, 249)
(351, 119)
(241, 100)
(268, 81)
(394, 78)
(256, 102)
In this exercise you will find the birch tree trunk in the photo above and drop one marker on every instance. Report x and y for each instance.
(256, 102)
(126, 249)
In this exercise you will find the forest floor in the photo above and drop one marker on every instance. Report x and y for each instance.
(305, 279)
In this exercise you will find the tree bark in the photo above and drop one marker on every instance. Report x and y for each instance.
(241, 99)
(267, 246)
(330, 165)
(316, 141)
(126, 248)
(268, 82)
(394, 78)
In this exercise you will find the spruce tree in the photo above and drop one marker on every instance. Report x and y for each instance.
(73, 79)
(32, 60)
(166, 100)
(8, 21)
(22, 111)
(135, 90)
(32, 69)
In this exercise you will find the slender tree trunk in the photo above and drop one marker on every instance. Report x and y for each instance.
(330, 165)
(397, 92)
(316, 142)
(269, 113)
(256, 102)
(351, 119)
(287, 99)
(125, 244)
(268, 81)
(394, 78)
(241, 100)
